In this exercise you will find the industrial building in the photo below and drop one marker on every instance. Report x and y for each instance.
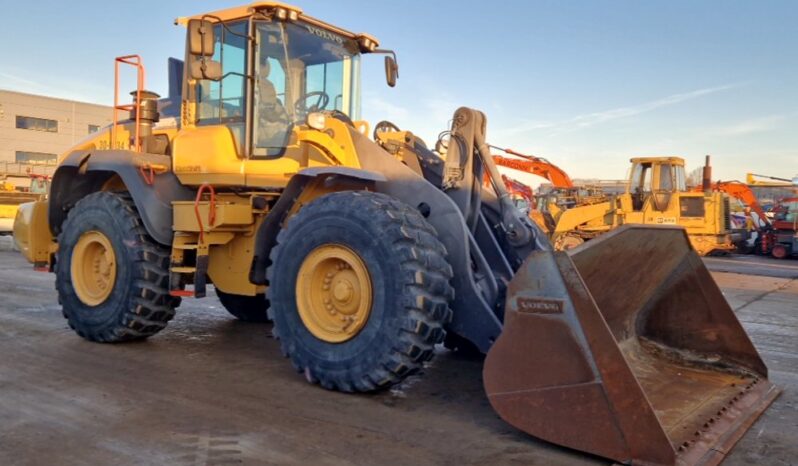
(36, 129)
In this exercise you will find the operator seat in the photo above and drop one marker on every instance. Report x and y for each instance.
(273, 119)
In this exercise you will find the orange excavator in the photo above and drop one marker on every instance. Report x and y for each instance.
(743, 193)
(522, 194)
(535, 166)
(568, 195)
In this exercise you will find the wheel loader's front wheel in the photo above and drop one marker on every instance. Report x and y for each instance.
(245, 308)
(111, 277)
(359, 291)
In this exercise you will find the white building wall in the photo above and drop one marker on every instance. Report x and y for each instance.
(73, 120)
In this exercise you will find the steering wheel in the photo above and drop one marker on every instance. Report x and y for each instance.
(385, 126)
(303, 106)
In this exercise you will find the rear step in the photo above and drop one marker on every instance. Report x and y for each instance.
(197, 272)
(625, 347)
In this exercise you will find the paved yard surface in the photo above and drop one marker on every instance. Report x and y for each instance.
(210, 391)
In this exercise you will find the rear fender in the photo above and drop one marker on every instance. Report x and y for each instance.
(84, 172)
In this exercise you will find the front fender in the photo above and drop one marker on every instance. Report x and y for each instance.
(341, 178)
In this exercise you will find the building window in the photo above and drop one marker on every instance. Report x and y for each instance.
(35, 157)
(94, 128)
(37, 124)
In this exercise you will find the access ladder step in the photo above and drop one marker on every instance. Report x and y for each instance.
(183, 270)
(186, 246)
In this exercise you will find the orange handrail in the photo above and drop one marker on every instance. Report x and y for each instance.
(133, 60)
(211, 209)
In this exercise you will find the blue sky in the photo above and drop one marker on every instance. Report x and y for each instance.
(586, 84)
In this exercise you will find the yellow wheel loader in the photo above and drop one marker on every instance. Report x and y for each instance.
(656, 194)
(12, 195)
(366, 255)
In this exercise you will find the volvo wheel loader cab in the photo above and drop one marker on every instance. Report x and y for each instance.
(365, 255)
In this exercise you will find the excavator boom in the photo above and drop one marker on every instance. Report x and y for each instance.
(742, 192)
(535, 166)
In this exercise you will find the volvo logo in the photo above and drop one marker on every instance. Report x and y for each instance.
(325, 34)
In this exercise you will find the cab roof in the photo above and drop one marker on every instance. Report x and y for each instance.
(667, 159)
(245, 11)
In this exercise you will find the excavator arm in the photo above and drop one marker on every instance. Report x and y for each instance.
(535, 166)
(516, 188)
(742, 192)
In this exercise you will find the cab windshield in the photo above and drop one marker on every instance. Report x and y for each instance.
(300, 69)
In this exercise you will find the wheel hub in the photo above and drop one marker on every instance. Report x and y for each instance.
(93, 268)
(333, 293)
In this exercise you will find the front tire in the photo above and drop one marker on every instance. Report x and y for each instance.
(111, 277)
(359, 291)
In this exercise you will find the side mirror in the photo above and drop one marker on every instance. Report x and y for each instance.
(205, 69)
(200, 38)
(391, 70)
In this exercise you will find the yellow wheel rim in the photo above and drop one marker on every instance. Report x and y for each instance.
(333, 293)
(93, 268)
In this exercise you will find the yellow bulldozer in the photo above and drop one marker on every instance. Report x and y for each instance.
(656, 194)
(366, 258)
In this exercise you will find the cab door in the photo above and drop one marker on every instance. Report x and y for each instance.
(213, 149)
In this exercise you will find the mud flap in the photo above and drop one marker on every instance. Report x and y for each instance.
(624, 347)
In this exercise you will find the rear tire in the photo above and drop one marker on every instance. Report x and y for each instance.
(408, 283)
(245, 308)
(134, 302)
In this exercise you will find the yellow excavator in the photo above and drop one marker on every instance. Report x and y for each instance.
(367, 254)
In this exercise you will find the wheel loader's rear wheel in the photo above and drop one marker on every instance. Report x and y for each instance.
(111, 277)
(359, 291)
(245, 308)
(93, 268)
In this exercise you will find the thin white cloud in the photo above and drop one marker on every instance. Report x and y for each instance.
(595, 118)
(753, 125)
(21, 83)
(64, 88)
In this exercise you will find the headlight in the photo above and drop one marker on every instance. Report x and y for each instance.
(316, 120)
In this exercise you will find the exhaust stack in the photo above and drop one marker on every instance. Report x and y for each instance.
(707, 177)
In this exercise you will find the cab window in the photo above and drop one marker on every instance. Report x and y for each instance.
(665, 178)
(641, 181)
(224, 101)
(299, 69)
